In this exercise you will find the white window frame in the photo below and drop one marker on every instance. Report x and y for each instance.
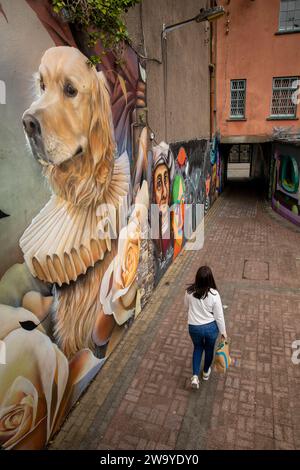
(244, 89)
(289, 16)
(284, 88)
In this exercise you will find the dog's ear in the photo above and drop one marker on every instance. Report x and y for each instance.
(101, 136)
(102, 78)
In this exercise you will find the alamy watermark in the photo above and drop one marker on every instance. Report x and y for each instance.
(181, 222)
(295, 98)
(2, 92)
(296, 353)
(2, 352)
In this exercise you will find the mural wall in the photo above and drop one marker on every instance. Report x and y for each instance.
(182, 173)
(285, 189)
(87, 263)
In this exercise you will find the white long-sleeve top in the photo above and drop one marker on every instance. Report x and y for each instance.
(203, 311)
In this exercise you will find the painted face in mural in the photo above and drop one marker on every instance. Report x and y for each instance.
(163, 173)
(161, 181)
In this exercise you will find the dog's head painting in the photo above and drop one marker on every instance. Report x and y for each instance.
(69, 126)
(70, 131)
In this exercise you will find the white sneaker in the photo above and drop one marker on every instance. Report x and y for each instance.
(195, 381)
(206, 375)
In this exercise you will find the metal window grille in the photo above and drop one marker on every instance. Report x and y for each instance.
(240, 153)
(238, 98)
(289, 17)
(283, 89)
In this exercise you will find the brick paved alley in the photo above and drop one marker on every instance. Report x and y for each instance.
(141, 399)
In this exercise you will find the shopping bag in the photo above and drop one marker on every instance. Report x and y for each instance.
(222, 358)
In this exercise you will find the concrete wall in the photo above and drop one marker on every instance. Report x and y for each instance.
(178, 89)
(22, 190)
(238, 170)
(250, 49)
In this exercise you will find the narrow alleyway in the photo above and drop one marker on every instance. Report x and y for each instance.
(142, 400)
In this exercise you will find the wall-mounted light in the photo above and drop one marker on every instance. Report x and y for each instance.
(209, 14)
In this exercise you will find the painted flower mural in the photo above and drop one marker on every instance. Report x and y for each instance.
(37, 384)
(119, 285)
(31, 383)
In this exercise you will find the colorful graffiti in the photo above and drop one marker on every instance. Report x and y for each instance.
(182, 173)
(194, 165)
(285, 186)
(178, 203)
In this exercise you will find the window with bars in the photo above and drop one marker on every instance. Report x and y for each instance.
(240, 153)
(289, 17)
(238, 98)
(282, 103)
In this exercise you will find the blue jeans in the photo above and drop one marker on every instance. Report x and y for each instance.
(204, 338)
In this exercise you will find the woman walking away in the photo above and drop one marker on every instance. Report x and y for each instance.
(206, 320)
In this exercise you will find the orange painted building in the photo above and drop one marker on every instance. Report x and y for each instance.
(257, 57)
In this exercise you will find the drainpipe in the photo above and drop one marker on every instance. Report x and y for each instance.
(213, 78)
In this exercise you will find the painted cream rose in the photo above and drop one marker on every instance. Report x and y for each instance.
(130, 262)
(119, 284)
(119, 287)
(34, 373)
(37, 384)
(127, 262)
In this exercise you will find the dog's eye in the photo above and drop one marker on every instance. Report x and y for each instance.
(69, 90)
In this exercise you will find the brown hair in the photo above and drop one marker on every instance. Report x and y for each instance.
(204, 282)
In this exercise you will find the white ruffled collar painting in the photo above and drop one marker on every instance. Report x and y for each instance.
(63, 240)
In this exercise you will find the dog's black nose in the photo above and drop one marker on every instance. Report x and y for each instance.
(31, 125)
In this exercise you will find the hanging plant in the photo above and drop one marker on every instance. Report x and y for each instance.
(100, 19)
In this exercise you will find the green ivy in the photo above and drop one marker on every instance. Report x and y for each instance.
(101, 19)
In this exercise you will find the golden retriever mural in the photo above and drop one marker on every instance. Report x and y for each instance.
(83, 261)
(69, 129)
(70, 132)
